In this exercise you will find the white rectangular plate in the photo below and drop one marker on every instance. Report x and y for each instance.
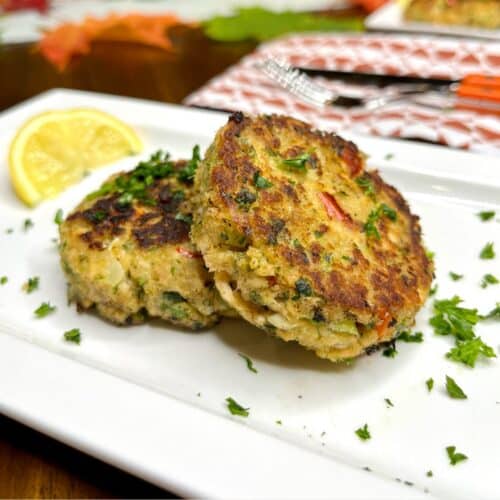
(150, 399)
(390, 18)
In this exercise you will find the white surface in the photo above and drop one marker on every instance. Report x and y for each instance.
(26, 26)
(129, 395)
(390, 18)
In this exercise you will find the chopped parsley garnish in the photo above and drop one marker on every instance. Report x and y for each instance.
(32, 284)
(27, 224)
(249, 362)
(494, 313)
(173, 297)
(261, 182)
(382, 210)
(433, 290)
(303, 288)
(186, 174)
(486, 215)
(389, 156)
(44, 309)
(390, 351)
(97, 216)
(134, 185)
(488, 252)
(73, 335)
(389, 212)
(468, 351)
(3, 280)
(245, 198)
(363, 433)
(366, 184)
(489, 279)
(9, 230)
(58, 218)
(236, 409)
(454, 390)
(187, 218)
(297, 163)
(430, 254)
(454, 456)
(451, 319)
(429, 473)
(388, 402)
(279, 422)
(416, 337)
(430, 384)
(455, 276)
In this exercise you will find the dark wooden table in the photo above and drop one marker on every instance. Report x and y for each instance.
(32, 465)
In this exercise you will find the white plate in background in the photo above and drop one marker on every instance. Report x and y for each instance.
(389, 17)
(129, 395)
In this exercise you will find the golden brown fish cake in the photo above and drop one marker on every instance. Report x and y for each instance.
(480, 13)
(128, 254)
(305, 243)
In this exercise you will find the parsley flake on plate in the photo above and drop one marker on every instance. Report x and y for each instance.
(235, 408)
(433, 290)
(454, 390)
(451, 319)
(58, 217)
(429, 473)
(44, 309)
(430, 384)
(3, 280)
(494, 313)
(489, 279)
(32, 284)
(486, 215)
(416, 337)
(73, 335)
(488, 252)
(468, 351)
(390, 351)
(388, 402)
(249, 362)
(455, 276)
(454, 456)
(363, 433)
(27, 224)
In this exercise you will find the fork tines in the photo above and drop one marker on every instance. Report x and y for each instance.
(295, 81)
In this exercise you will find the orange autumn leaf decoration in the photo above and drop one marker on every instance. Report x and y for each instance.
(61, 44)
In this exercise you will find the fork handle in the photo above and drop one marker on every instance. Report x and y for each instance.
(479, 92)
(481, 80)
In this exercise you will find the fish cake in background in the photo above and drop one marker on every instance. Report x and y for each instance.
(125, 249)
(479, 13)
(303, 241)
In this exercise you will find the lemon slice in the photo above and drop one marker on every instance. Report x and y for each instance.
(56, 149)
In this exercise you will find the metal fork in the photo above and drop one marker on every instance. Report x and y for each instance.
(305, 88)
